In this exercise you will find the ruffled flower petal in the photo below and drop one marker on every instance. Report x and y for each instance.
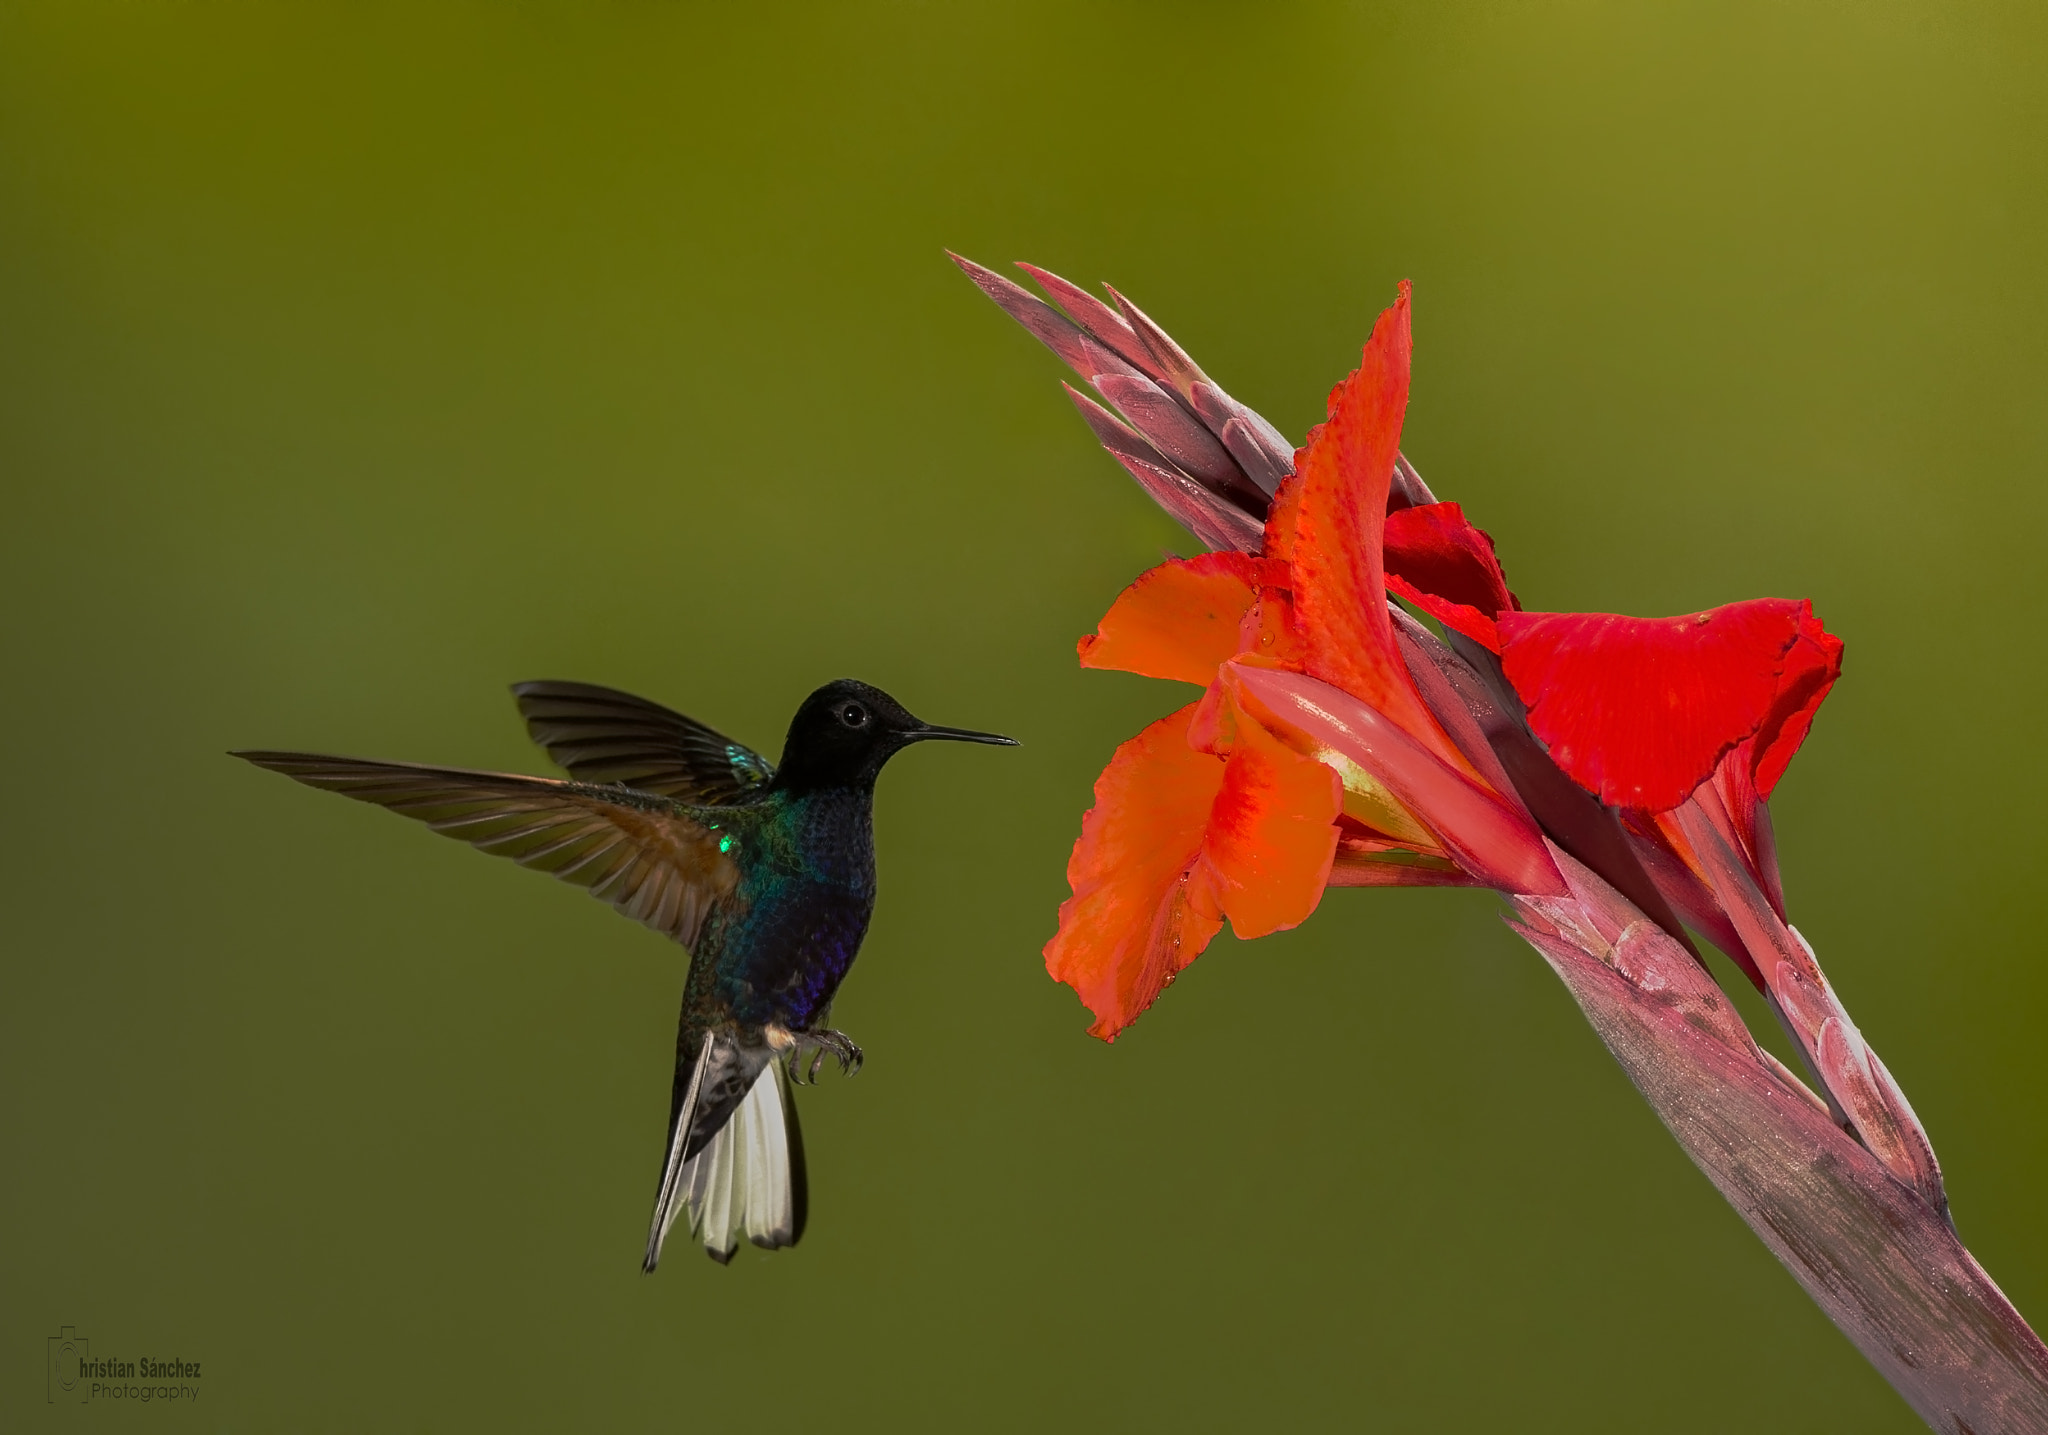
(1137, 916)
(1811, 667)
(1179, 620)
(1177, 841)
(1327, 523)
(1640, 710)
(1272, 834)
(1443, 565)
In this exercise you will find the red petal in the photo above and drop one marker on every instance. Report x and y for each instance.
(1272, 834)
(1178, 620)
(1810, 671)
(1446, 567)
(1137, 917)
(1639, 710)
(1327, 522)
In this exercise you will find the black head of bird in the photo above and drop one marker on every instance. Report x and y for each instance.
(846, 731)
(766, 875)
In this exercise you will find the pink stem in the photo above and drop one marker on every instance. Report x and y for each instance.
(1886, 1266)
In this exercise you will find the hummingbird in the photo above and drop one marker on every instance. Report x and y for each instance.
(765, 875)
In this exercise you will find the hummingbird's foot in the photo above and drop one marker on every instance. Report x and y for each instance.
(820, 1044)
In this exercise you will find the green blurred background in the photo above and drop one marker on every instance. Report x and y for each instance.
(358, 360)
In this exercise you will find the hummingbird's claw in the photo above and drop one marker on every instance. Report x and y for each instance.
(821, 1044)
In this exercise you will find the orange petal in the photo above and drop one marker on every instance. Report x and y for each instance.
(1140, 910)
(1272, 834)
(1179, 620)
(1179, 839)
(1272, 635)
(1328, 522)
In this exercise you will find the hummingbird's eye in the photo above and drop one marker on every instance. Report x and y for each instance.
(854, 715)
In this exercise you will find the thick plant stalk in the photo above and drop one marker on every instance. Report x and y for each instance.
(1863, 1096)
(1886, 1266)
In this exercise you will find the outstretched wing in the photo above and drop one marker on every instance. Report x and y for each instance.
(639, 852)
(603, 735)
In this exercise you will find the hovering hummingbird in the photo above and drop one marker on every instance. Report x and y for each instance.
(765, 874)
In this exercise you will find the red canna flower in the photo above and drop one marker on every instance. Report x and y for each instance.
(1312, 759)
(1608, 774)
(1638, 711)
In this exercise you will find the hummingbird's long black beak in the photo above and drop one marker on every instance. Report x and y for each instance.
(958, 734)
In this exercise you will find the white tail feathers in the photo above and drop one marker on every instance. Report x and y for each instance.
(748, 1180)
